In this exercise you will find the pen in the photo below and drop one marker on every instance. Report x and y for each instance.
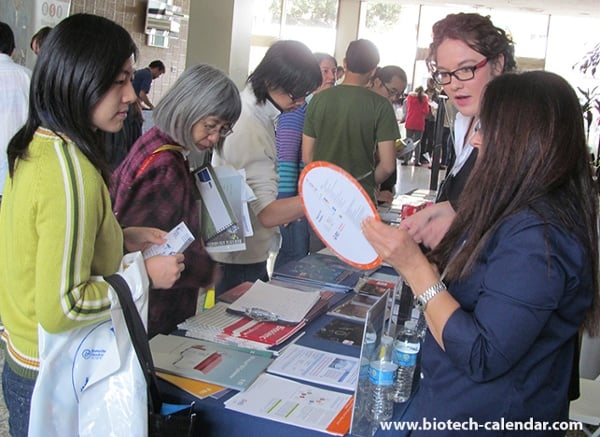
(279, 352)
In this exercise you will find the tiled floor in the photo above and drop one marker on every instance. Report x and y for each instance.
(411, 177)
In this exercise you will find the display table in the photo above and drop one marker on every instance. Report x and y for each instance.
(216, 420)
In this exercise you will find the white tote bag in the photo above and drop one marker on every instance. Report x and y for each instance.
(90, 381)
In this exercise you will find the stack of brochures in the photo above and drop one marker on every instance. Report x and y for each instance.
(206, 361)
(368, 291)
(317, 367)
(320, 270)
(218, 325)
(296, 403)
(354, 308)
(285, 312)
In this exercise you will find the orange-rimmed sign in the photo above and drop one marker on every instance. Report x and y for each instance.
(335, 205)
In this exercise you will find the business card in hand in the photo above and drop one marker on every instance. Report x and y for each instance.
(178, 239)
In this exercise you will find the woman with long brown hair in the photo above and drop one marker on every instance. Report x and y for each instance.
(516, 275)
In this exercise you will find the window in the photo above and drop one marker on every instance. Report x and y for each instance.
(403, 33)
(312, 22)
(393, 28)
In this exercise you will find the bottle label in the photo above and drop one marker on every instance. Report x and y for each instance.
(382, 375)
(405, 357)
(364, 368)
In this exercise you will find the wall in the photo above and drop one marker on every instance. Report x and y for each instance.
(19, 16)
(220, 34)
(131, 15)
(347, 27)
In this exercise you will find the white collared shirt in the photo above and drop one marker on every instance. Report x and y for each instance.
(14, 104)
(462, 148)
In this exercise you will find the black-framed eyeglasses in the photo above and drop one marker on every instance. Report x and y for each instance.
(223, 131)
(391, 92)
(463, 74)
(295, 97)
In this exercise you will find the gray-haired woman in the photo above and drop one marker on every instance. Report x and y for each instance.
(154, 184)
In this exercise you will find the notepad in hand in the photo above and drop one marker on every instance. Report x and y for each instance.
(286, 305)
(216, 213)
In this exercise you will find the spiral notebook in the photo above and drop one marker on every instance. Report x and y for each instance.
(216, 213)
(283, 305)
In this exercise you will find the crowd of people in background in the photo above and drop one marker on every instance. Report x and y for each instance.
(504, 264)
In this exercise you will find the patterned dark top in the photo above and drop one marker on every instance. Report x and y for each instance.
(162, 196)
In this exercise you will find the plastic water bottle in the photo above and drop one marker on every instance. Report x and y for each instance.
(363, 380)
(381, 382)
(406, 349)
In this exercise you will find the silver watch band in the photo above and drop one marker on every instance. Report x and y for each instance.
(424, 298)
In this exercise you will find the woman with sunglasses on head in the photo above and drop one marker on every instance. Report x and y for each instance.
(283, 79)
(153, 186)
(58, 234)
(466, 53)
(516, 275)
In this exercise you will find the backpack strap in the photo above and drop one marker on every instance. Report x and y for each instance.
(154, 154)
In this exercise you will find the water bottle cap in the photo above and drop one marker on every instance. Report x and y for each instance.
(387, 339)
(410, 324)
(370, 337)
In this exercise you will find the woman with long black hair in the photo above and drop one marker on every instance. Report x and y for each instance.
(58, 234)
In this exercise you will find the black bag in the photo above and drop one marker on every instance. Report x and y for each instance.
(180, 424)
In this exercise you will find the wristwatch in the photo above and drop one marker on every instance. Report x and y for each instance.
(422, 299)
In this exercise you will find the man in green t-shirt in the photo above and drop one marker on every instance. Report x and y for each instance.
(348, 123)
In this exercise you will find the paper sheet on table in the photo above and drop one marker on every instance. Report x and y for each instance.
(317, 366)
(335, 205)
(286, 401)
